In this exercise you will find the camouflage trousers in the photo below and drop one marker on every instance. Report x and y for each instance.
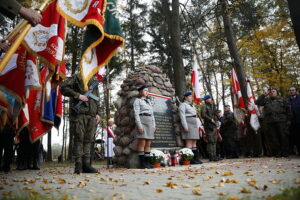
(211, 143)
(84, 131)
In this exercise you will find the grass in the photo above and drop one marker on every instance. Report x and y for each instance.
(287, 194)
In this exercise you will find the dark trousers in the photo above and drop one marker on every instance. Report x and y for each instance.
(279, 138)
(294, 138)
(6, 146)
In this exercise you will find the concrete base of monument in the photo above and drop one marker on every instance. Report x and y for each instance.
(133, 161)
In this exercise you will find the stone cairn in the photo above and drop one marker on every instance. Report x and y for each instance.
(125, 142)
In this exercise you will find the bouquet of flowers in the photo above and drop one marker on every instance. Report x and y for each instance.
(156, 156)
(186, 154)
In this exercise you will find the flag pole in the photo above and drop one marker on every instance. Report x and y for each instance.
(19, 39)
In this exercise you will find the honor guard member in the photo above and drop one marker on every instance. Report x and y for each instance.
(189, 123)
(87, 117)
(210, 126)
(278, 115)
(144, 118)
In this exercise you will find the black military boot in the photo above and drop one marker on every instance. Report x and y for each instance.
(142, 160)
(147, 161)
(78, 168)
(86, 167)
(195, 160)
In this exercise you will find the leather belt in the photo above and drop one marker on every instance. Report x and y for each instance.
(145, 114)
(191, 116)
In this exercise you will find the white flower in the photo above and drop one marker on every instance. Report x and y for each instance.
(186, 151)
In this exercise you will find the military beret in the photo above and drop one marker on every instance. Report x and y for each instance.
(208, 96)
(225, 106)
(186, 94)
(142, 87)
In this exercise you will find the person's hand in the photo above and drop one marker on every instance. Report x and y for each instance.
(141, 130)
(32, 16)
(4, 45)
(83, 98)
(186, 130)
(213, 121)
(98, 118)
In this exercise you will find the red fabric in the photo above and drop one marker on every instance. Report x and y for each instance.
(52, 17)
(237, 89)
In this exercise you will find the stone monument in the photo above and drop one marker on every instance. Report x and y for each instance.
(162, 95)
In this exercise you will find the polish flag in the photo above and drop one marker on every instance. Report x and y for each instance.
(254, 122)
(238, 102)
(195, 82)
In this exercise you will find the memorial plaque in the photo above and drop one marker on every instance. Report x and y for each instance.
(165, 131)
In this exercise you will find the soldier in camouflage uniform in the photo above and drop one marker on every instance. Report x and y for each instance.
(277, 116)
(229, 130)
(208, 115)
(86, 119)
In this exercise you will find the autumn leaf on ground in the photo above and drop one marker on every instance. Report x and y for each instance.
(275, 181)
(64, 197)
(207, 178)
(81, 184)
(171, 185)
(27, 188)
(233, 198)
(227, 174)
(159, 191)
(92, 191)
(297, 181)
(196, 191)
(46, 181)
(61, 180)
(221, 193)
(147, 182)
(231, 181)
(245, 190)
(186, 186)
(45, 187)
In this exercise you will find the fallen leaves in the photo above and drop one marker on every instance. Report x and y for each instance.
(207, 178)
(221, 193)
(196, 190)
(171, 185)
(297, 181)
(275, 181)
(227, 174)
(45, 187)
(147, 183)
(159, 191)
(245, 190)
(186, 186)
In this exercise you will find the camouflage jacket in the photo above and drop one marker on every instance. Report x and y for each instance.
(207, 114)
(276, 110)
(73, 87)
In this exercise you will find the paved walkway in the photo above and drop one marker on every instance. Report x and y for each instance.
(252, 178)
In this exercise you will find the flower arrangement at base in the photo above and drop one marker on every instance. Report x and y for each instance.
(186, 154)
(156, 156)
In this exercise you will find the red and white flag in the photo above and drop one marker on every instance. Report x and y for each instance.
(238, 102)
(47, 38)
(252, 108)
(195, 82)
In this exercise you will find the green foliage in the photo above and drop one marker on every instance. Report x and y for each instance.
(155, 159)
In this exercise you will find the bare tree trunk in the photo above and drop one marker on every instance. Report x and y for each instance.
(174, 32)
(294, 7)
(131, 38)
(49, 147)
(231, 42)
(217, 89)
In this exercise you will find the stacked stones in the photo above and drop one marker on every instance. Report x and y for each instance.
(158, 83)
